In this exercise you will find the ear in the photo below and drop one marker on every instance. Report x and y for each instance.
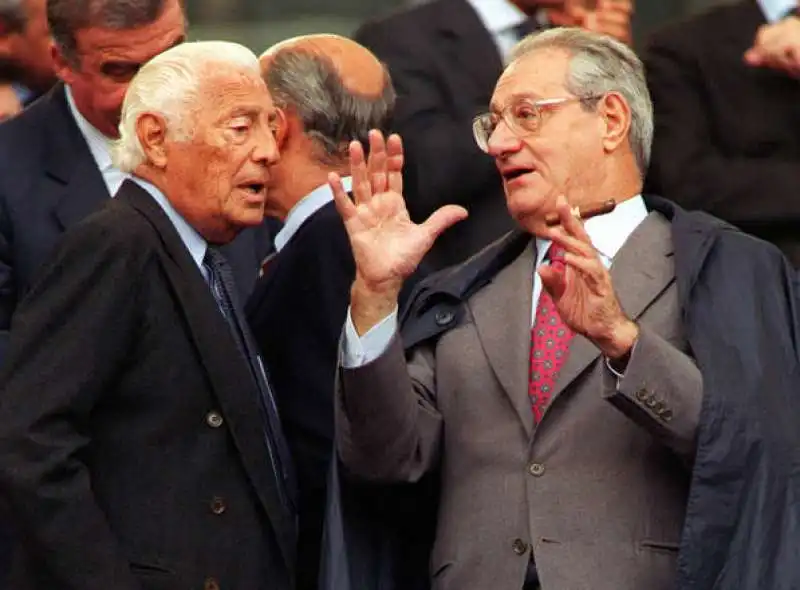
(282, 127)
(62, 66)
(151, 129)
(617, 117)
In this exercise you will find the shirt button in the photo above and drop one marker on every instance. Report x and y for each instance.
(519, 546)
(536, 469)
(214, 419)
(218, 505)
(211, 584)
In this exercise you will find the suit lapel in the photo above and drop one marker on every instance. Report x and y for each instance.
(222, 362)
(641, 271)
(76, 183)
(502, 315)
(467, 41)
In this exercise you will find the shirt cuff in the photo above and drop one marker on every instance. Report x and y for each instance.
(359, 351)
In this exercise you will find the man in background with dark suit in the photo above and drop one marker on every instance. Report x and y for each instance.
(151, 456)
(55, 162)
(726, 96)
(445, 57)
(329, 90)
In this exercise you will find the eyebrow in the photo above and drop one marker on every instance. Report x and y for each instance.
(516, 97)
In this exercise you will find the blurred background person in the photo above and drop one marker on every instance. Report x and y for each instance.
(25, 58)
(726, 95)
(329, 90)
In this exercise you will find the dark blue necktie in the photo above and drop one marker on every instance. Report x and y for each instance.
(220, 280)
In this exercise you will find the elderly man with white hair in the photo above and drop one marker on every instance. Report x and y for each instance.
(139, 442)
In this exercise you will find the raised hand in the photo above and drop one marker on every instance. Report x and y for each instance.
(582, 289)
(387, 245)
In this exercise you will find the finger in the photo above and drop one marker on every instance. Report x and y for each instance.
(376, 163)
(570, 222)
(362, 189)
(615, 6)
(554, 281)
(394, 166)
(591, 270)
(443, 218)
(571, 244)
(341, 199)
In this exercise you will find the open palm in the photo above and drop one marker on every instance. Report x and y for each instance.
(387, 245)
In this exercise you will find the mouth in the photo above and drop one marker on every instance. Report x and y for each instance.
(511, 174)
(255, 189)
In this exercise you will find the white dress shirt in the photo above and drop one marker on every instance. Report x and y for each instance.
(501, 17)
(775, 10)
(99, 146)
(305, 208)
(607, 232)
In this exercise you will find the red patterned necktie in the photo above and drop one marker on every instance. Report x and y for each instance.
(550, 338)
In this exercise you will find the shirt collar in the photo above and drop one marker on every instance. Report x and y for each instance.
(99, 144)
(775, 10)
(610, 231)
(498, 16)
(193, 241)
(305, 208)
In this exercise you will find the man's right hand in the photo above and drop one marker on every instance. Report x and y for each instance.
(387, 245)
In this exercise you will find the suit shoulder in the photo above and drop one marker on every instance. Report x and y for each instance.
(401, 22)
(21, 138)
(694, 31)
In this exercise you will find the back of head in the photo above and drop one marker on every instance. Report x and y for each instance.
(170, 85)
(332, 99)
(13, 17)
(600, 64)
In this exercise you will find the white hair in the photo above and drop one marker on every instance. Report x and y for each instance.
(600, 64)
(169, 86)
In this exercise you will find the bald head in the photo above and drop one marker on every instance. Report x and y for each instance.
(358, 69)
(335, 87)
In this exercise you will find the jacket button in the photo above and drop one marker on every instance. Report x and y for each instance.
(536, 469)
(666, 415)
(652, 402)
(519, 546)
(444, 317)
(214, 419)
(211, 584)
(641, 395)
(218, 505)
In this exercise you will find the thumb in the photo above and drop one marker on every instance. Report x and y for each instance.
(443, 218)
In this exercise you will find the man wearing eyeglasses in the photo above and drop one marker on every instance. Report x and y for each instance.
(445, 57)
(569, 382)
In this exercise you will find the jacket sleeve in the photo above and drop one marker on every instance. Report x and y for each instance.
(387, 425)
(689, 167)
(443, 163)
(661, 390)
(8, 289)
(70, 339)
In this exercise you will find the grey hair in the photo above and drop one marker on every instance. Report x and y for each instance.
(600, 64)
(67, 17)
(14, 14)
(170, 85)
(331, 114)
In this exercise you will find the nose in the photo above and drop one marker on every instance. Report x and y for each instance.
(503, 141)
(266, 148)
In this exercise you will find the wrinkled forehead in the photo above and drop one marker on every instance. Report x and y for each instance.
(227, 93)
(538, 75)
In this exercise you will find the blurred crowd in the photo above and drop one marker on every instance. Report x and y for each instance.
(479, 297)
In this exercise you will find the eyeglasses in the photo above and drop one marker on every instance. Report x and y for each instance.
(523, 117)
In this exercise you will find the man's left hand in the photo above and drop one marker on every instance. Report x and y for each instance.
(582, 290)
